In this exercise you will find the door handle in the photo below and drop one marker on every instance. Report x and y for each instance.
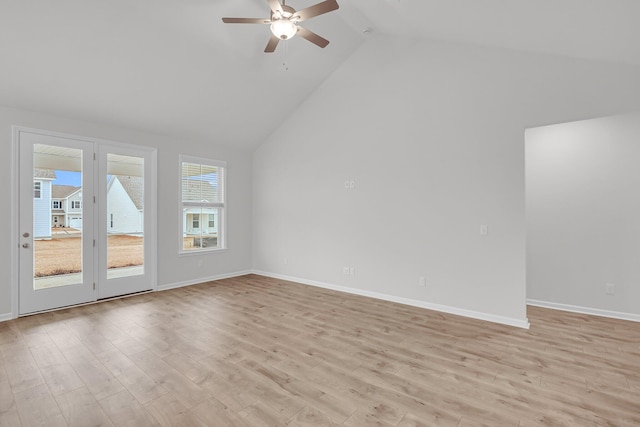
(25, 245)
(25, 234)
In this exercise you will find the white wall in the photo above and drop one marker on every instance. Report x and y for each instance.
(171, 267)
(583, 214)
(433, 135)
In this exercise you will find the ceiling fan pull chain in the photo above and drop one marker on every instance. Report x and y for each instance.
(286, 50)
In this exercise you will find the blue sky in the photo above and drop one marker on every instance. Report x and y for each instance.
(68, 178)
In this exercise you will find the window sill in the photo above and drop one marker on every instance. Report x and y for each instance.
(203, 252)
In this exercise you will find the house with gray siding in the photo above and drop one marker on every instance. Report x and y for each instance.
(66, 206)
(42, 179)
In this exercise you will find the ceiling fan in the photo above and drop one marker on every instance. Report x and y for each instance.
(284, 22)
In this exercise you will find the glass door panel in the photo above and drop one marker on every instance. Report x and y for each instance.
(57, 216)
(125, 215)
(126, 235)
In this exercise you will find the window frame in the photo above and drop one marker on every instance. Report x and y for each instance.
(56, 202)
(221, 206)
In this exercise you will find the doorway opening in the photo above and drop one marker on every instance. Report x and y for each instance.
(70, 191)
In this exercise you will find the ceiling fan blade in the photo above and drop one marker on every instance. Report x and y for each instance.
(315, 10)
(273, 43)
(246, 21)
(275, 6)
(312, 37)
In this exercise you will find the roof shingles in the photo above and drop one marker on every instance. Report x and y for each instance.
(134, 186)
(62, 191)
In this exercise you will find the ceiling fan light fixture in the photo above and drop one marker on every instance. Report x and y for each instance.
(284, 20)
(283, 29)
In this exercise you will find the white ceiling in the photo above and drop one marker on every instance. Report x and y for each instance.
(172, 67)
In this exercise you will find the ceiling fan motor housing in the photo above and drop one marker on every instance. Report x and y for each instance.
(282, 26)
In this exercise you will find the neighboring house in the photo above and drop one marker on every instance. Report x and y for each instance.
(195, 222)
(61, 205)
(66, 206)
(42, 179)
(125, 204)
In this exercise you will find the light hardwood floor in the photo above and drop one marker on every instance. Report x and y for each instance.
(256, 351)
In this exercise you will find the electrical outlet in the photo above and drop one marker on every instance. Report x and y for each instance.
(422, 281)
(349, 271)
(610, 289)
(352, 184)
(346, 184)
(484, 230)
(286, 260)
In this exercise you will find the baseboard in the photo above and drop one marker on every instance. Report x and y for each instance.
(5, 316)
(585, 310)
(202, 280)
(519, 323)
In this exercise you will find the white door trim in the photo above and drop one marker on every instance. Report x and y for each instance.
(15, 179)
(14, 214)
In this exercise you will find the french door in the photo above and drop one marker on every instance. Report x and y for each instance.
(126, 240)
(86, 220)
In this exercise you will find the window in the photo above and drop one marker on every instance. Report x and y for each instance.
(75, 204)
(56, 204)
(37, 189)
(202, 204)
(110, 220)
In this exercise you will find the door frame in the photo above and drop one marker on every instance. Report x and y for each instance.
(15, 208)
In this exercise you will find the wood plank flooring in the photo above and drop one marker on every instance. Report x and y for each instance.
(255, 351)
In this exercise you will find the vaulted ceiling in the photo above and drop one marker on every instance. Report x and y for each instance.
(172, 67)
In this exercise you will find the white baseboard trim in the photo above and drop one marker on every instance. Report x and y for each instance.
(202, 280)
(5, 316)
(510, 321)
(585, 310)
